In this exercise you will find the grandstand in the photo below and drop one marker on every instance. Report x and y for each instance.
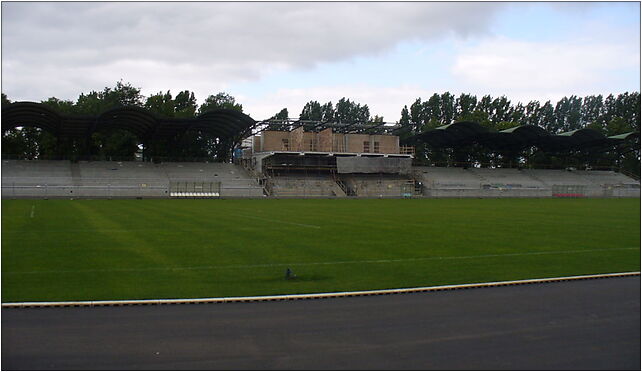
(302, 159)
(104, 179)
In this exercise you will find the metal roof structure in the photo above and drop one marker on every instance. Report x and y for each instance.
(229, 126)
(319, 125)
(466, 133)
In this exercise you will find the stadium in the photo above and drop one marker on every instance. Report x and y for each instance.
(294, 158)
(342, 209)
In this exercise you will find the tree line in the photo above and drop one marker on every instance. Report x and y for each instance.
(610, 115)
(119, 144)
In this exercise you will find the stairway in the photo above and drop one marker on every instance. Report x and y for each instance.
(75, 174)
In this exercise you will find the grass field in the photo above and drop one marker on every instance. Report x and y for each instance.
(136, 249)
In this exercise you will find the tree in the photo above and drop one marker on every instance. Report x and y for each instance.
(531, 113)
(311, 111)
(417, 115)
(465, 105)
(447, 108)
(220, 101)
(432, 109)
(281, 115)
(94, 103)
(185, 104)
(501, 110)
(5, 100)
(547, 117)
(117, 144)
(161, 104)
(123, 94)
(281, 118)
(60, 106)
(592, 110)
(351, 112)
(327, 112)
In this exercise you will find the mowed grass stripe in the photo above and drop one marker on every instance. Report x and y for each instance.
(286, 264)
(111, 249)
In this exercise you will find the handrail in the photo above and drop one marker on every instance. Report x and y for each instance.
(630, 175)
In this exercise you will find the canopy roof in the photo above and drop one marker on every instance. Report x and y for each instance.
(225, 124)
(466, 133)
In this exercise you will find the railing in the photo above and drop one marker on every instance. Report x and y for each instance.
(630, 175)
(407, 150)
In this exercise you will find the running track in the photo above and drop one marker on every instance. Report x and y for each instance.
(587, 325)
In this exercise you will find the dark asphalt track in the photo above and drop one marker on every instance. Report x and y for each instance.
(587, 325)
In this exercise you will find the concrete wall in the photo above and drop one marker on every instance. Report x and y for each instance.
(363, 164)
(479, 193)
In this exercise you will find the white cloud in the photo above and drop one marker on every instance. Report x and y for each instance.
(382, 101)
(92, 45)
(526, 70)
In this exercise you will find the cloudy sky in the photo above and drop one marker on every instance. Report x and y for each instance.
(275, 55)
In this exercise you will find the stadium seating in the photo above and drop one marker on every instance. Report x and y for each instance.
(506, 178)
(302, 186)
(500, 182)
(379, 185)
(105, 179)
(32, 172)
(234, 180)
(448, 178)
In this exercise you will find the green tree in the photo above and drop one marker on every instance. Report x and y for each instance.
(161, 104)
(185, 104)
(94, 103)
(465, 105)
(123, 94)
(220, 101)
(311, 111)
(417, 115)
(351, 112)
(431, 110)
(5, 101)
(281, 115)
(281, 121)
(117, 144)
(531, 113)
(447, 108)
(327, 112)
(547, 117)
(65, 107)
(501, 110)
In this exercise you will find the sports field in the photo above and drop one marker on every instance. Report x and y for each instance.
(138, 249)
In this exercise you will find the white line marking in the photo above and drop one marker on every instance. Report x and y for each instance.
(33, 211)
(314, 295)
(277, 221)
(285, 264)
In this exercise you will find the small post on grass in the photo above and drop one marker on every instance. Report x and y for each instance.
(289, 274)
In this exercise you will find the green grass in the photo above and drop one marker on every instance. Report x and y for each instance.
(135, 249)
